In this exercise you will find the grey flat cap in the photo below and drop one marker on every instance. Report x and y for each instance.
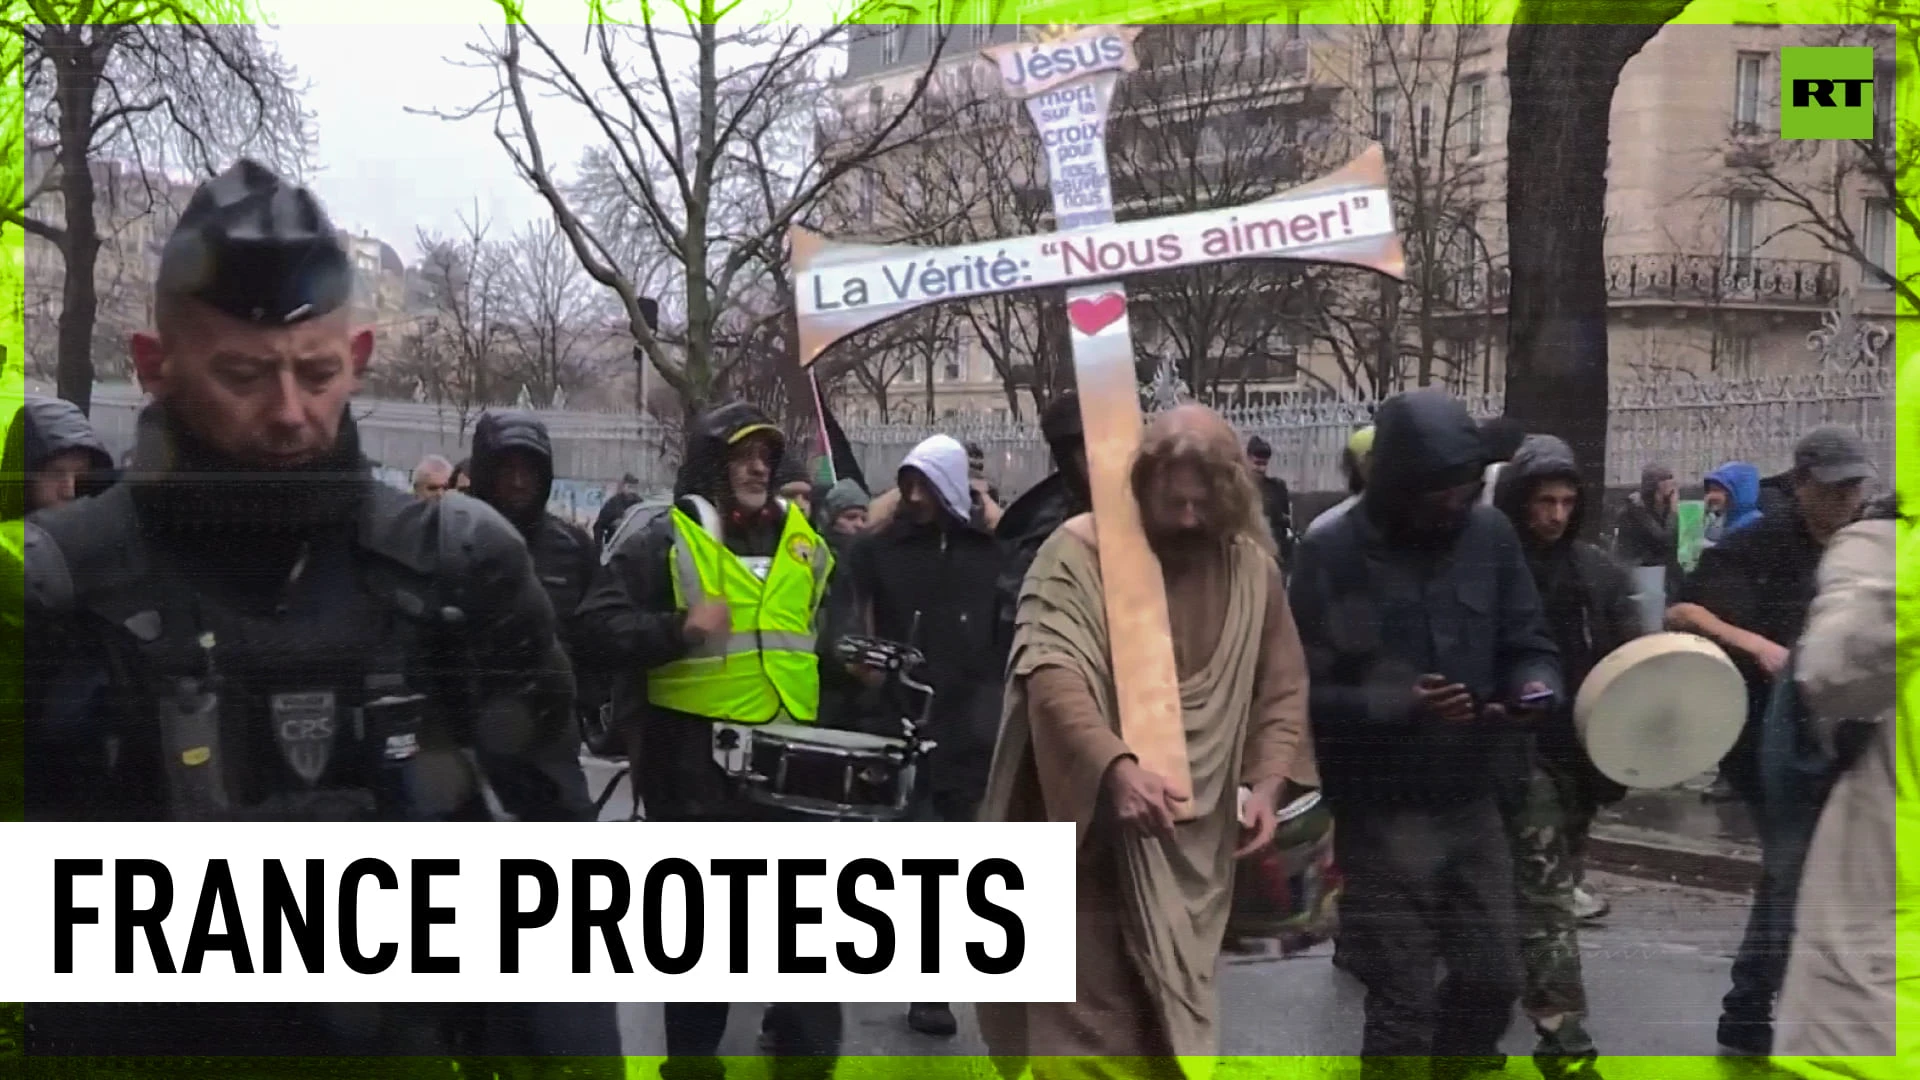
(1832, 455)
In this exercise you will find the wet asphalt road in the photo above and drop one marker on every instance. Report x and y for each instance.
(1655, 970)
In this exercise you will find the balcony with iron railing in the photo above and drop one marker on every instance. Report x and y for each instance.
(1714, 279)
(1669, 279)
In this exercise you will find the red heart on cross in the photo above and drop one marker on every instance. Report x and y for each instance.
(1090, 316)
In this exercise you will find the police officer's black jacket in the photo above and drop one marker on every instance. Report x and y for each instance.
(1277, 502)
(348, 625)
(564, 555)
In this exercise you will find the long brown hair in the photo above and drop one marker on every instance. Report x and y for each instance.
(1196, 436)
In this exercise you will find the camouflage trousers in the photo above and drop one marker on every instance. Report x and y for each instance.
(1547, 822)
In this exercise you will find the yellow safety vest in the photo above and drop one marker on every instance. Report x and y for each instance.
(766, 668)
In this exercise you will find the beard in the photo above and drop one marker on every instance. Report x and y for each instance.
(1182, 545)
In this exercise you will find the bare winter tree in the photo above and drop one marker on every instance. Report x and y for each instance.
(457, 348)
(1853, 197)
(1562, 75)
(677, 98)
(553, 315)
(976, 175)
(1218, 116)
(160, 84)
(894, 362)
(1419, 77)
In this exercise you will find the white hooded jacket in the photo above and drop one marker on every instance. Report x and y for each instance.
(943, 461)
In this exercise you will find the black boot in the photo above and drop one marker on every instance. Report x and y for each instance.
(1467, 1068)
(932, 1019)
(1567, 1066)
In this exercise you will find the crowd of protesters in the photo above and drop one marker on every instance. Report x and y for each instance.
(1461, 568)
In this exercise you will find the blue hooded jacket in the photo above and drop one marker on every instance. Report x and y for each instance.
(1742, 482)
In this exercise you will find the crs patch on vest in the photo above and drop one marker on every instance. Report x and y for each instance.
(303, 726)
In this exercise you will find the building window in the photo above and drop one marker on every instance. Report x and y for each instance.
(983, 29)
(1741, 212)
(1883, 75)
(893, 41)
(1733, 356)
(1426, 128)
(1459, 355)
(1476, 115)
(1876, 241)
(1383, 116)
(864, 210)
(1466, 265)
(952, 372)
(1746, 92)
(1283, 363)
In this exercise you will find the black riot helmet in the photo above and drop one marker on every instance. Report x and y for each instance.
(257, 248)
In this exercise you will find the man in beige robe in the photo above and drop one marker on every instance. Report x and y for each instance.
(1838, 1004)
(1153, 895)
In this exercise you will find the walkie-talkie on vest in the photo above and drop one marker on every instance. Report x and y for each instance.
(190, 741)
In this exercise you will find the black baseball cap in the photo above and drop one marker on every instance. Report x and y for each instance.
(1832, 455)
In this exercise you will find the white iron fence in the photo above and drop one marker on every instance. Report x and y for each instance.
(1690, 427)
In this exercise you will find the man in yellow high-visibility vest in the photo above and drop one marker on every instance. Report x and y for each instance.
(708, 613)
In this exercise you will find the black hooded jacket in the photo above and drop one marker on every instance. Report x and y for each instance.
(44, 428)
(936, 584)
(1022, 529)
(563, 554)
(1377, 609)
(611, 512)
(1587, 596)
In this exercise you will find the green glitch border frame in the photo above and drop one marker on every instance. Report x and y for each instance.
(1906, 1062)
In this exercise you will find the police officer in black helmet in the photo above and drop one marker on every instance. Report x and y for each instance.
(249, 628)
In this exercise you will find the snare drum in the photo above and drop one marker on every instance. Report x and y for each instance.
(823, 773)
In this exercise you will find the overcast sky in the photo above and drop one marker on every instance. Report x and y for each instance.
(389, 172)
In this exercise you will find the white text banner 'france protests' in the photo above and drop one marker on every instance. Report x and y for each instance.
(559, 912)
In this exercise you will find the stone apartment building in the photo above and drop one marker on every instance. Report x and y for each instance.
(1712, 273)
(136, 211)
